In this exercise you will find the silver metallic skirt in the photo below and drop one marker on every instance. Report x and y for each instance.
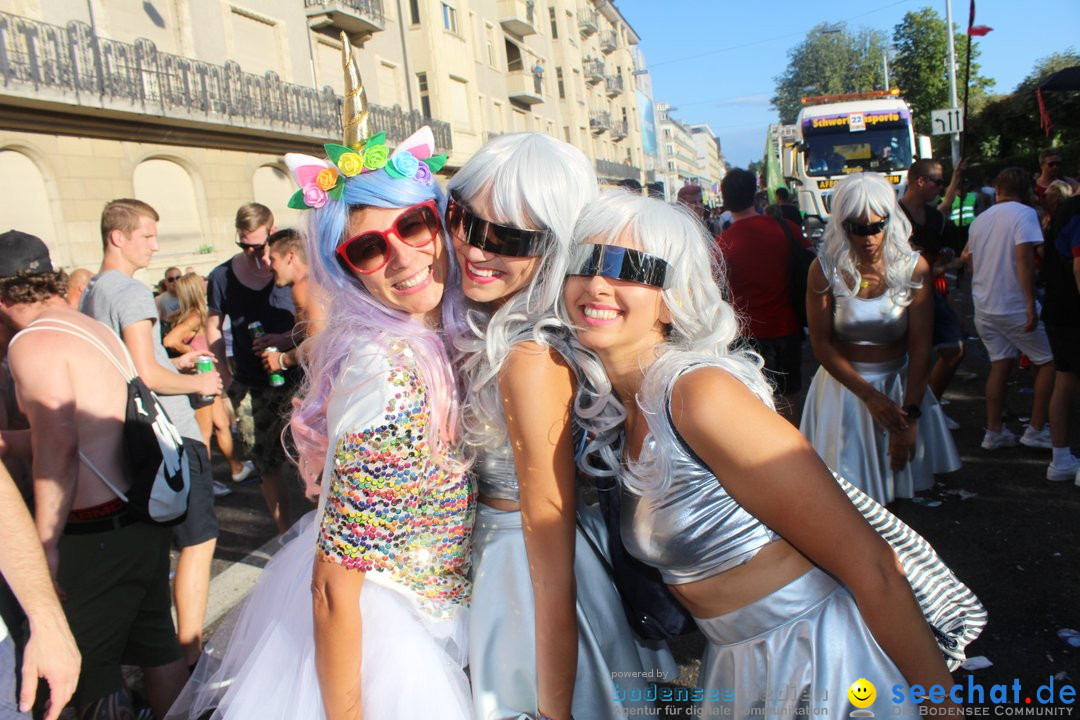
(502, 654)
(792, 653)
(842, 430)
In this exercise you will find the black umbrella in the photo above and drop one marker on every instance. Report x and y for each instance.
(1062, 80)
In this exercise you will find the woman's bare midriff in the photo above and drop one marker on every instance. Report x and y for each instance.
(773, 567)
(500, 503)
(873, 353)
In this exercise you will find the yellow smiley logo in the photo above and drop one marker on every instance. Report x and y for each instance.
(862, 693)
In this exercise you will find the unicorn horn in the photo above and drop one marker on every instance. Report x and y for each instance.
(355, 119)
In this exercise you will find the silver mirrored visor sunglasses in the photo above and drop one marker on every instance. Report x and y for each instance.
(619, 263)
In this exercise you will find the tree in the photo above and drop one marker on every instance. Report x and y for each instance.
(1006, 131)
(829, 61)
(920, 67)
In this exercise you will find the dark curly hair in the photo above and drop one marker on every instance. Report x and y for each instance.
(27, 288)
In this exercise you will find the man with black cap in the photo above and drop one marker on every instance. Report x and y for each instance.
(112, 570)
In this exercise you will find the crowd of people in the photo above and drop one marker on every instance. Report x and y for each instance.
(449, 368)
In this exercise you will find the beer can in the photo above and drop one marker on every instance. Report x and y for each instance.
(256, 329)
(277, 377)
(204, 364)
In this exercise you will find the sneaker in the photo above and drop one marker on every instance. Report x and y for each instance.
(997, 440)
(1059, 473)
(950, 423)
(245, 472)
(221, 489)
(1037, 438)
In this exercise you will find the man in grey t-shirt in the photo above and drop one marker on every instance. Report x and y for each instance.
(114, 297)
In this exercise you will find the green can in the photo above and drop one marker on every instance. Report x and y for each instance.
(204, 364)
(277, 377)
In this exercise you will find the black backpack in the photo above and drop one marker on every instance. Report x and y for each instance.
(154, 451)
(799, 261)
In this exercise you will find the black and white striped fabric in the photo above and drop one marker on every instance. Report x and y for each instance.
(953, 612)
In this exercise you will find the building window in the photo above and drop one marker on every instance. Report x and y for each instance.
(554, 23)
(449, 18)
(425, 99)
(671, 165)
(558, 77)
(414, 11)
(566, 133)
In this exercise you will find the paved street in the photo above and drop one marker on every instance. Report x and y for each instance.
(1006, 531)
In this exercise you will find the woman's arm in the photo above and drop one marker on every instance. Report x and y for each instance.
(187, 328)
(537, 391)
(338, 633)
(771, 470)
(919, 339)
(819, 316)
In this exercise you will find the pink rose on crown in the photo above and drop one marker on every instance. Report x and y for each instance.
(314, 196)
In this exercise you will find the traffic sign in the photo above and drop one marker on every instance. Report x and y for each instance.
(946, 121)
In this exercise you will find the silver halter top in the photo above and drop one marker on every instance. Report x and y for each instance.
(867, 321)
(694, 529)
(496, 476)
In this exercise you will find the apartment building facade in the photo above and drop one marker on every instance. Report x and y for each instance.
(710, 162)
(190, 104)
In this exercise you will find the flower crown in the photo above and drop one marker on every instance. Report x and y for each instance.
(322, 180)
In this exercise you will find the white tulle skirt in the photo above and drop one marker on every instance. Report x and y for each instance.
(502, 636)
(261, 663)
(842, 430)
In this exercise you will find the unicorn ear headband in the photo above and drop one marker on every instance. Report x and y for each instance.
(321, 180)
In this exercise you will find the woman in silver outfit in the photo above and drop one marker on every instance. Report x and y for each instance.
(797, 595)
(869, 412)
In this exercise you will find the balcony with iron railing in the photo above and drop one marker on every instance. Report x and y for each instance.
(613, 85)
(619, 130)
(522, 86)
(594, 70)
(72, 70)
(617, 170)
(599, 121)
(355, 17)
(587, 21)
(518, 16)
(609, 41)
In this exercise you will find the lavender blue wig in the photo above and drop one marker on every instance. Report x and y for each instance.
(355, 317)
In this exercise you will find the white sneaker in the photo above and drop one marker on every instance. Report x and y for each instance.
(221, 489)
(245, 472)
(1059, 473)
(997, 440)
(1037, 438)
(950, 423)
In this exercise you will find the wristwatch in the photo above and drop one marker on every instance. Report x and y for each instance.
(914, 412)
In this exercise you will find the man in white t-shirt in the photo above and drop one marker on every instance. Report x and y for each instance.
(1001, 251)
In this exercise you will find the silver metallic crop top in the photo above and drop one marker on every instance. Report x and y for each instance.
(867, 321)
(693, 529)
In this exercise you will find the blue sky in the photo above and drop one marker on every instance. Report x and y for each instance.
(715, 60)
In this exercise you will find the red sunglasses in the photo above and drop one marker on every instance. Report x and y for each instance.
(369, 251)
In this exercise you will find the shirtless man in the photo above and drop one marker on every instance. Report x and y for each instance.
(111, 570)
(288, 261)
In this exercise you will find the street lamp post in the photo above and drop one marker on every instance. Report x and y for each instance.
(952, 78)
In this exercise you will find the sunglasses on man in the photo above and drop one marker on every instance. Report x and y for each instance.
(491, 236)
(370, 251)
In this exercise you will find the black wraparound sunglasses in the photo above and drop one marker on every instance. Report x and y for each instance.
(865, 229)
(491, 236)
(619, 263)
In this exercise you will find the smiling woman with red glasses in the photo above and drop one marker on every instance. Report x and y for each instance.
(371, 595)
(869, 412)
(547, 631)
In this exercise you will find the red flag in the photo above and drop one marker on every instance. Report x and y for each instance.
(979, 30)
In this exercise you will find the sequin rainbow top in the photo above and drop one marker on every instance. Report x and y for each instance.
(394, 506)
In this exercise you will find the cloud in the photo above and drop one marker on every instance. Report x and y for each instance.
(745, 100)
